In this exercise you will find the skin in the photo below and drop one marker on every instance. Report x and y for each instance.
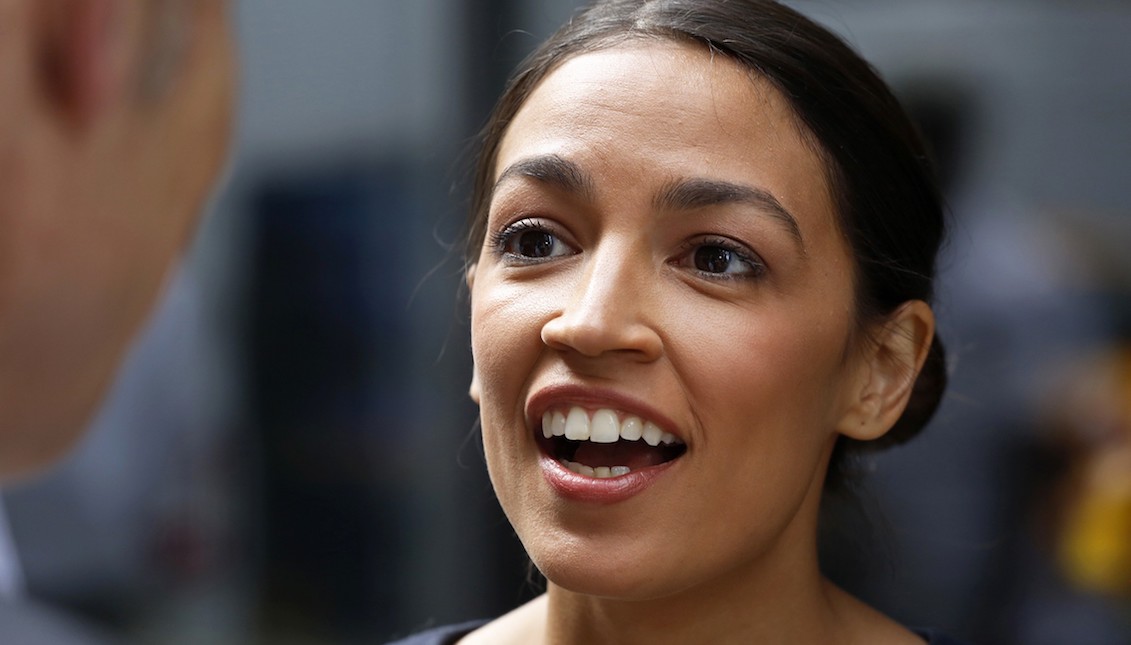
(757, 367)
(112, 132)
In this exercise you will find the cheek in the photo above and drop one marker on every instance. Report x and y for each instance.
(765, 395)
(778, 370)
(505, 345)
(503, 333)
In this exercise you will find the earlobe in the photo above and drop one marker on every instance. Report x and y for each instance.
(890, 364)
(469, 276)
(84, 54)
(473, 391)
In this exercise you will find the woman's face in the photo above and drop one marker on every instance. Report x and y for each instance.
(662, 261)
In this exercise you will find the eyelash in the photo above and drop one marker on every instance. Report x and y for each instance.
(741, 253)
(502, 240)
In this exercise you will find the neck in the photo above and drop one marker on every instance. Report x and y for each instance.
(780, 597)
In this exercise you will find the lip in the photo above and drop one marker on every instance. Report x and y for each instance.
(595, 398)
(581, 488)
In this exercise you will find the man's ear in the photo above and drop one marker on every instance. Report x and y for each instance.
(84, 55)
(890, 362)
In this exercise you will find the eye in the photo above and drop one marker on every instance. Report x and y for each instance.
(715, 259)
(721, 258)
(530, 240)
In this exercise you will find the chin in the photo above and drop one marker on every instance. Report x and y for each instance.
(630, 588)
(614, 575)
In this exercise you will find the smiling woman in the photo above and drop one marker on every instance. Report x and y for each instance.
(700, 260)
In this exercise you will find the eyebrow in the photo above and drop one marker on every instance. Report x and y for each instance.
(680, 195)
(553, 170)
(690, 194)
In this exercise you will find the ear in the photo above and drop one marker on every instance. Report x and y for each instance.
(84, 55)
(469, 275)
(889, 365)
(473, 391)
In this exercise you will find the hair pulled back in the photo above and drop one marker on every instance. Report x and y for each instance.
(887, 199)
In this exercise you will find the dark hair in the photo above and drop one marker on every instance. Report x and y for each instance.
(882, 180)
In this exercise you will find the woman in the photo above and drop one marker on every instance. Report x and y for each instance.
(701, 253)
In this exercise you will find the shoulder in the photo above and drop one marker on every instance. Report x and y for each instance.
(523, 625)
(446, 635)
(518, 626)
(935, 637)
(30, 623)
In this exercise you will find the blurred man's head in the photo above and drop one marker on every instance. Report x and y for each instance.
(114, 118)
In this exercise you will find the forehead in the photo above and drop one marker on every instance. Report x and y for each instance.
(666, 110)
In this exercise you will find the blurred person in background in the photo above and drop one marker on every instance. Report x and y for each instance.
(1091, 434)
(1083, 509)
(114, 123)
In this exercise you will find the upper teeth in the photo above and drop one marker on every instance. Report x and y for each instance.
(604, 426)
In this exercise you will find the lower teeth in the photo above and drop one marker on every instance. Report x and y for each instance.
(600, 472)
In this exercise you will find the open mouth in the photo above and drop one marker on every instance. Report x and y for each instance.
(601, 444)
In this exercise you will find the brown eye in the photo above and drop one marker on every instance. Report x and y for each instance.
(720, 258)
(530, 241)
(713, 259)
(534, 244)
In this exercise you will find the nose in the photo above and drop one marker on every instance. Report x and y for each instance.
(611, 309)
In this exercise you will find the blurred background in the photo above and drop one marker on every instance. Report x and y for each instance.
(289, 455)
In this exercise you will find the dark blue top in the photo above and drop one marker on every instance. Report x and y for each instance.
(449, 634)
